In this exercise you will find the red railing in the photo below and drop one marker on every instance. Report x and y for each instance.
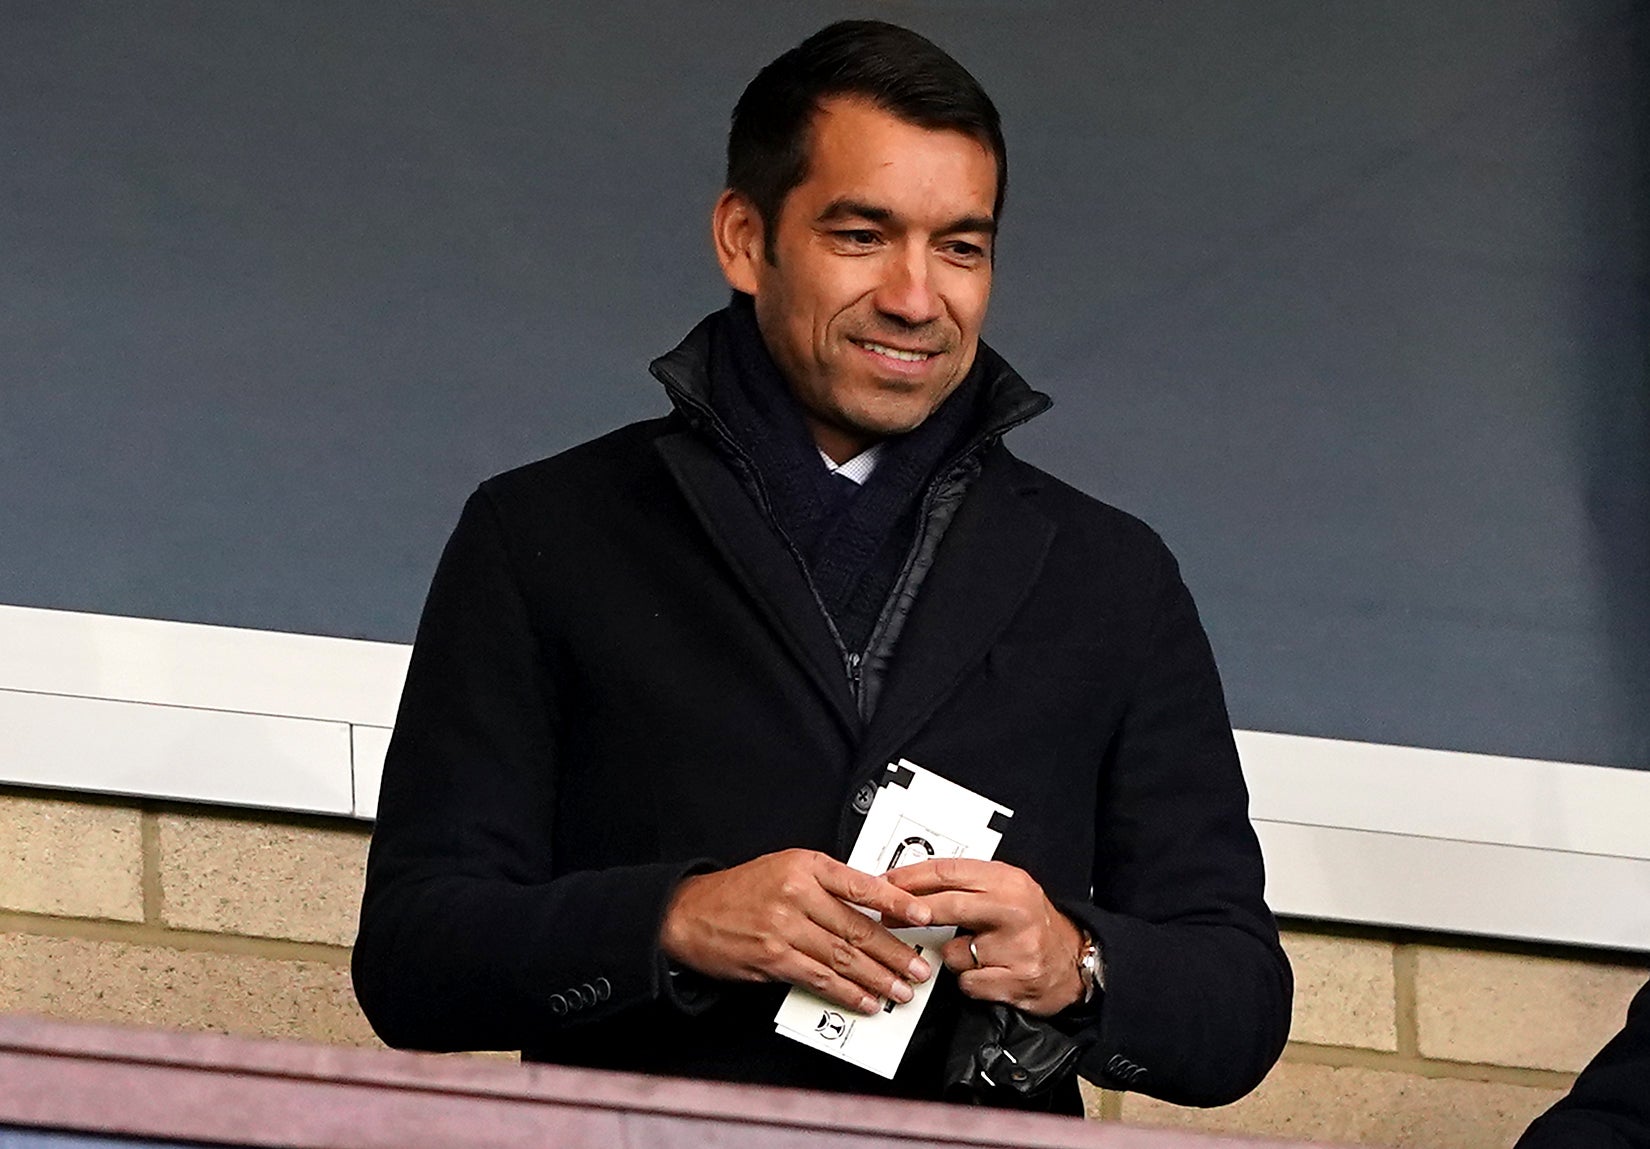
(211, 1088)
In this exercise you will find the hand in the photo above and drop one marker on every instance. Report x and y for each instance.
(789, 917)
(1028, 950)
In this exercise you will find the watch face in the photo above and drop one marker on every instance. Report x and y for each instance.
(1089, 965)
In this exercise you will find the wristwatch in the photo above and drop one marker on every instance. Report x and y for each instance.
(1090, 968)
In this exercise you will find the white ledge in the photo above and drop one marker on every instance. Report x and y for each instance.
(1449, 795)
(1352, 831)
(202, 667)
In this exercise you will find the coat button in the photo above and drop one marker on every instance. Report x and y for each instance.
(604, 989)
(587, 995)
(558, 1004)
(863, 797)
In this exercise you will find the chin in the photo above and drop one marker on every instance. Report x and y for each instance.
(889, 425)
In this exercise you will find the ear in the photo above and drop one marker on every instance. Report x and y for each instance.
(736, 232)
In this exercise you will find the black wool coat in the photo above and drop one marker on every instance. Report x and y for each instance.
(621, 677)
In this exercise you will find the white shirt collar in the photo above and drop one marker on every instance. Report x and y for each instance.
(859, 468)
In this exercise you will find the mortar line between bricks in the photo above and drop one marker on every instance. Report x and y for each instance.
(1347, 1057)
(1405, 992)
(149, 875)
(190, 941)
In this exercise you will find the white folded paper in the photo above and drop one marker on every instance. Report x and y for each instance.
(916, 815)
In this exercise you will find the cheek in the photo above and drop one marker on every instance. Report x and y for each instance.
(968, 299)
(810, 313)
(818, 329)
(785, 324)
(982, 302)
(832, 323)
(847, 288)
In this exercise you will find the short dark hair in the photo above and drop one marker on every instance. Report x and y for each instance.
(894, 68)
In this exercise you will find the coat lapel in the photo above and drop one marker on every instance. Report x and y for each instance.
(986, 566)
(762, 564)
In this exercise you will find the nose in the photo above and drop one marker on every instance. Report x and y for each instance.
(906, 293)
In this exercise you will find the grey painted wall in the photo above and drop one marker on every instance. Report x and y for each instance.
(1348, 299)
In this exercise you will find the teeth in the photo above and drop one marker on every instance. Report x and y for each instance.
(896, 353)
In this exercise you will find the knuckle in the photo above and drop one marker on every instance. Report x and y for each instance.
(842, 956)
(772, 949)
(819, 980)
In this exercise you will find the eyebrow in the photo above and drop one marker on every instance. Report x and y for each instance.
(840, 209)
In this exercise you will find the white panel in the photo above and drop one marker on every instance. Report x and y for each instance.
(1458, 887)
(1353, 831)
(205, 667)
(1447, 794)
(370, 744)
(174, 752)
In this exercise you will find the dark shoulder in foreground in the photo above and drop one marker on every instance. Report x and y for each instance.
(1609, 1105)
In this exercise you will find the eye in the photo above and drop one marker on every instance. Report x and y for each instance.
(857, 237)
(963, 251)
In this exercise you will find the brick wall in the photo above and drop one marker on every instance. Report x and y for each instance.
(175, 916)
(166, 916)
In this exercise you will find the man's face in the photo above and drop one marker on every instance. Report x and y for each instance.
(881, 274)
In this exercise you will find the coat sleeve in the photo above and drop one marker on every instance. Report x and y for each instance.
(467, 940)
(1198, 990)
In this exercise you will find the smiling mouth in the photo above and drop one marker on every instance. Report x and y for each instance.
(897, 353)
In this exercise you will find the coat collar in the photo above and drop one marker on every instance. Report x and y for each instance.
(685, 373)
(988, 561)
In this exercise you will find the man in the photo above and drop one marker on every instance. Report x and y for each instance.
(659, 675)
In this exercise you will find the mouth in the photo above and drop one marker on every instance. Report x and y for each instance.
(897, 354)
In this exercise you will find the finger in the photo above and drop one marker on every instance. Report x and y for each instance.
(998, 950)
(892, 957)
(979, 912)
(937, 874)
(873, 893)
(958, 957)
(895, 922)
(993, 983)
(814, 975)
(846, 960)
